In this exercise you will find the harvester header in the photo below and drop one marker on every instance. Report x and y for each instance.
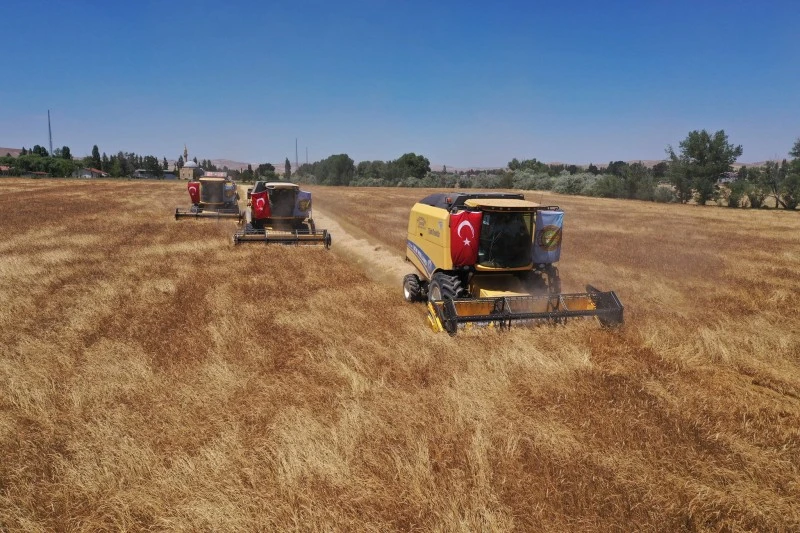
(489, 259)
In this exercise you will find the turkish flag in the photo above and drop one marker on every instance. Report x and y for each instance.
(260, 203)
(465, 230)
(194, 191)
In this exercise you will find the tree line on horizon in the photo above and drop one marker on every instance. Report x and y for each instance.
(62, 164)
(700, 171)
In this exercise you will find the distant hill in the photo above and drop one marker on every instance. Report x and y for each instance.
(13, 151)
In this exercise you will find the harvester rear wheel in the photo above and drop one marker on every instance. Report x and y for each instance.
(444, 287)
(412, 290)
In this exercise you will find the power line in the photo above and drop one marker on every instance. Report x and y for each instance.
(50, 132)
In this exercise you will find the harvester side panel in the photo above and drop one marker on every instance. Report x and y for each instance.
(428, 243)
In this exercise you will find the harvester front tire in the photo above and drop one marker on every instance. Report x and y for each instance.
(553, 280)
(412, 290)
(444, 287)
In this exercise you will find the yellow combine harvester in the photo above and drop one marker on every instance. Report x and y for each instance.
(214, 195)
(489, 259)
(279, 212)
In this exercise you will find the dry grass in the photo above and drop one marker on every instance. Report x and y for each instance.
(154, 376)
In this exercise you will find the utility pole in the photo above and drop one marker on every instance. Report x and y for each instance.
(50, 132)
(306, 155)
(296, 164)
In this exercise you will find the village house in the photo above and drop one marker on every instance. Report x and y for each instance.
(89, 173)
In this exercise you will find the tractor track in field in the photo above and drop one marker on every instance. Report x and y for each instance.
(377, 261)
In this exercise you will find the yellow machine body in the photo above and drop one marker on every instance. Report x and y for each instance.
(483, 294)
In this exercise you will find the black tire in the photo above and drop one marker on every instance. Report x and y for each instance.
(444, 287)
(412, 289)
(328, 241)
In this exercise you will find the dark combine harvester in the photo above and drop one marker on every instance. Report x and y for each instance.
(280, 213)
(213, 196)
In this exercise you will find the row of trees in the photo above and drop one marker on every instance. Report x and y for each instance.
(700, 170)
(341, 170)
(61, 163)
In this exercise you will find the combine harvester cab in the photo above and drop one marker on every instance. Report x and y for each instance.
(488, 259)
(214, 195)
(280, 213)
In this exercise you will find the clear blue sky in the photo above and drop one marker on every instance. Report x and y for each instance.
(464, 83)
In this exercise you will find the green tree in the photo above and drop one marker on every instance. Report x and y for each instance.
(96, 157)
(660, 170)
(116, 167)
(66, 154)
(266, 171)
(105, 165)
(783, 181)
(702, 159)
(411, 164)
(165, 164)
(287, 170)
(179, 163)
(791, 187)
(150, 163)
(617, 168)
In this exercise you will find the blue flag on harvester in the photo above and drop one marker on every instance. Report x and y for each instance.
(547, 239)
(303, 205)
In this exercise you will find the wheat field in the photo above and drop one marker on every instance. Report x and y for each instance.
(153, 376)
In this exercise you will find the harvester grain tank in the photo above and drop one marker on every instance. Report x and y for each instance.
(279, 212)
(488, 259)
(214, 195)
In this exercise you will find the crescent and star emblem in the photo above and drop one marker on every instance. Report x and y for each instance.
(192, 190)
(461, 226)
(260, 203)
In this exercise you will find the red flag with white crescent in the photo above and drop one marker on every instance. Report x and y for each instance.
(260, 203)
(465, 230)
(194, 191)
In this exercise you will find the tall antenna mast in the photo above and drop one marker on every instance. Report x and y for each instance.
(306, 155)
(50, 132)
(295, 154)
